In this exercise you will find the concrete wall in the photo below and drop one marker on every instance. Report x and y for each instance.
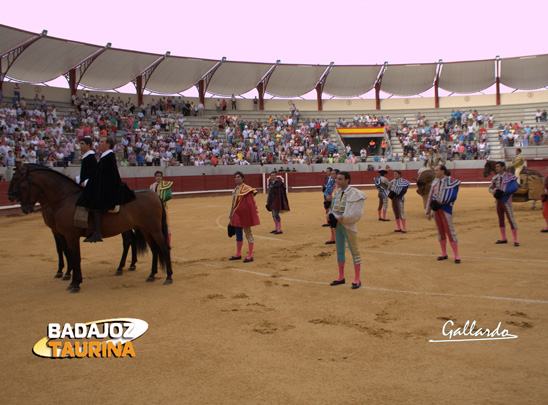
(414, 104)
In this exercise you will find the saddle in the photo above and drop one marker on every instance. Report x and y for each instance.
(81, 215)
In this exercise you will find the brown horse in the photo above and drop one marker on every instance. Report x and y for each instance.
(532, 183)
(59, 193)
(129, 238)
(424, 184)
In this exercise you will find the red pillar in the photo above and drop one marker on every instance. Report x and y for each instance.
(72, 81)
(436, 95)
(201, 91)
(498, 90)
(260, 90)
(378, 96)
(319, 93)
(139, 88)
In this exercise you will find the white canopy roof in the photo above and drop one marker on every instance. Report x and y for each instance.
(525, 73)
(175, 75)
(237, 77)
(10, 37)
(294, 80)
(115, 68)
(350, 81)
(48, 58)
(408, 80)
(467, 77)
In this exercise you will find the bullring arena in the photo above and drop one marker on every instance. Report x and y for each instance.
(274, 331)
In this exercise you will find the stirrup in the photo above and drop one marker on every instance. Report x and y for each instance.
(94, 237)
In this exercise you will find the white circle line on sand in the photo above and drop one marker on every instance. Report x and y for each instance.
(510, 259)
(485, 297)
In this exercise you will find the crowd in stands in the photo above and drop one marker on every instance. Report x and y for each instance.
(462, 136)
(155, 134)
(514, 134)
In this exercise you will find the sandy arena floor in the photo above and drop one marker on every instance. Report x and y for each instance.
(274, 331)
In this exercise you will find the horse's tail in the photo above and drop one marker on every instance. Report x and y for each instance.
(165, 230)
(139, 242)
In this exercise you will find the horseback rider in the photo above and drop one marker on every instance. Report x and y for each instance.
(518, 163)
(104, 189)
(432, 160)
(89, 162)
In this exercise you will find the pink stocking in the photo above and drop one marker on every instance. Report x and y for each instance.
(341, 271)
(357, 268)
(443, 244)
(503, 232)
(250, 254)
(515, 233)
(455, 247)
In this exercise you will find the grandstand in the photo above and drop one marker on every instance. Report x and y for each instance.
(36, 58)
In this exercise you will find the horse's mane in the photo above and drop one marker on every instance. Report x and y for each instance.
(35, 167)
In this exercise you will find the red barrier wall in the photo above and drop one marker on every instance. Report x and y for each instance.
(226, 182)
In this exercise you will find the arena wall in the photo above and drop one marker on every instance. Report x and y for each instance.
(204, 185)
(411, 103)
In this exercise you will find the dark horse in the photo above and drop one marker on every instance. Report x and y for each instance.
(532, 183)
(59, 193)
(130, 239)
(424, 184)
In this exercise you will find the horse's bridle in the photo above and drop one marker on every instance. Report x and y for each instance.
(28, 201)
(41, 190)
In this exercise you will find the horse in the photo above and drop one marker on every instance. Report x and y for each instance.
(59, 193)
(424, 184)
(531, 187)
(129, 238)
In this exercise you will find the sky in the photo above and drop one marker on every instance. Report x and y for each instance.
(346, 32)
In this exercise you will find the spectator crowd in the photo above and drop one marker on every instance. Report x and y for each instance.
(155, 134)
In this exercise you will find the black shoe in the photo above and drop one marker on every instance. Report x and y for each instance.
(357, 285)
(248, 260)
(440, 258)
(516, 244)
(544, 230)
(386, 220)
(457, 261)
(235, 258)
(403, 231)
(338, 282)
(325, 225)
(398, 230)
(274, 231)
(380, 219)
(500, 242)
(278, 232)
(330, 242)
